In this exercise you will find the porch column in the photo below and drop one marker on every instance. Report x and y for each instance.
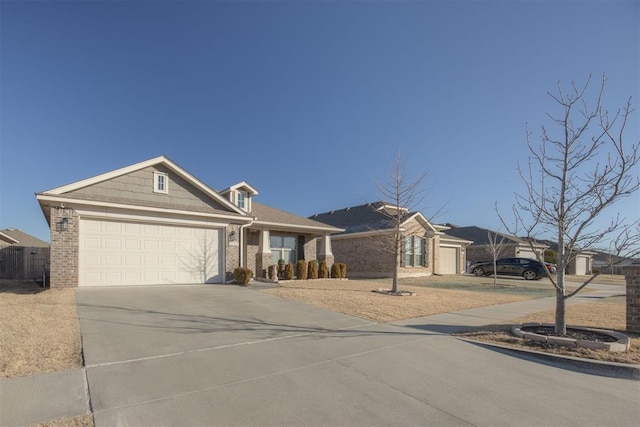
(263, 258)
(325, 250)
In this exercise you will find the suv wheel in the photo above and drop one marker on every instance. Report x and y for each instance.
(478, 271)
(530, 275)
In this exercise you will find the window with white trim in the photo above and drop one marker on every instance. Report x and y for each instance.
(242, 199)
(414, 251)
(283, 247)
(160, 182)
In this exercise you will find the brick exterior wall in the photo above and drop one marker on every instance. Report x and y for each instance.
(232, 251)
(632, 276)
(368, 257)
(64, 249)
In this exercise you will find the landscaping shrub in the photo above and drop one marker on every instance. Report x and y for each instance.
(313, 270)
(242, 275)
(323, 272)
(288, 271)
(272, 272)
(301, 269)
(335, 271)
(342, 267)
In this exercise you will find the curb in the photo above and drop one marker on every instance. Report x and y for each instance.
(588, 366)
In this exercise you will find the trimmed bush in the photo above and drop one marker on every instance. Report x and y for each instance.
(342, 267)
(301, 269)
(313, 270)
(272, 272)
(335, 271)
(242, 275)
(288, 271)
(323, 272)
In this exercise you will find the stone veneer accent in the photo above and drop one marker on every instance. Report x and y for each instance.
(632, 276)
(64, 248)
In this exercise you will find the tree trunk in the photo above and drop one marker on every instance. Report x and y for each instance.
(396, 267)
(561, 324)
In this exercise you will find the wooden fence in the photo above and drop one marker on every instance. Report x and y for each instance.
(23, 263)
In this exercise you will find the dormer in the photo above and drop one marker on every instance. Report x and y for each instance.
(240, 195)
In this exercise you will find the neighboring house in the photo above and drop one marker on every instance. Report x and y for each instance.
(364, 243)
(582, 263)
(155, 223)
(22, 256)
(479, 249)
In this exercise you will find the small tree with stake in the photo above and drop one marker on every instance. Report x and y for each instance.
(572, 176)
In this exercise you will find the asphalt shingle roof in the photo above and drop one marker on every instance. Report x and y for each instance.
(367, 217)
(25, 239)
(479, 236)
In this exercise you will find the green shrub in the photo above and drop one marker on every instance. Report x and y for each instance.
(301, 269)
(335, 271)
(342, 268)
(272, 272)
(313, 270)
(323, 272)
(288, 271)
(242, 275)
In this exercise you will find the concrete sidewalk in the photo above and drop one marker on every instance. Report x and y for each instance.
(39, 398)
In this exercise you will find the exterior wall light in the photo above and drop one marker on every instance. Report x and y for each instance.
(232, 236)
(64, 224)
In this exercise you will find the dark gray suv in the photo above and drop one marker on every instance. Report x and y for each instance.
(530, 269)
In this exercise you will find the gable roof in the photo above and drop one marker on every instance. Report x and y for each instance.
(244, 185)
(160, 160)
(366, 218)
(479, 236)
(260, 214)
(20, 238)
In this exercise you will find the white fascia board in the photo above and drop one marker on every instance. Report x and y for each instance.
(7, 238)
(243, 184)
(444, 242)
(106, 176)
(145, 164)
(278, 225)
(421, 218)
(75, 203)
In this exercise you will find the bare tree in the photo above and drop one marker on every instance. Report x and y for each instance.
(402, 196)
(572, 177)
(495, 248)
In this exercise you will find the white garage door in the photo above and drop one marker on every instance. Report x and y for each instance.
(581, 265)
(130, 253)
(448, 260)
(527, 253)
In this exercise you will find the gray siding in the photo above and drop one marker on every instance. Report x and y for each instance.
(137, 188)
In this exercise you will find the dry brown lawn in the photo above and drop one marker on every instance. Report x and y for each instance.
(79, 421)
(40, 330)
(355, 297)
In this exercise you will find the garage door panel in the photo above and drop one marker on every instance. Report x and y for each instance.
(113, 253)
(448, 260)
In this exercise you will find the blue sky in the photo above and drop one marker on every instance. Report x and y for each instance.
(310, 102)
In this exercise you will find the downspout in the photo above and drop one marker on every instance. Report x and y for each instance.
(241, 240)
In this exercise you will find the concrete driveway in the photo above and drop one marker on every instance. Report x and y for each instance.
(225, 355)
